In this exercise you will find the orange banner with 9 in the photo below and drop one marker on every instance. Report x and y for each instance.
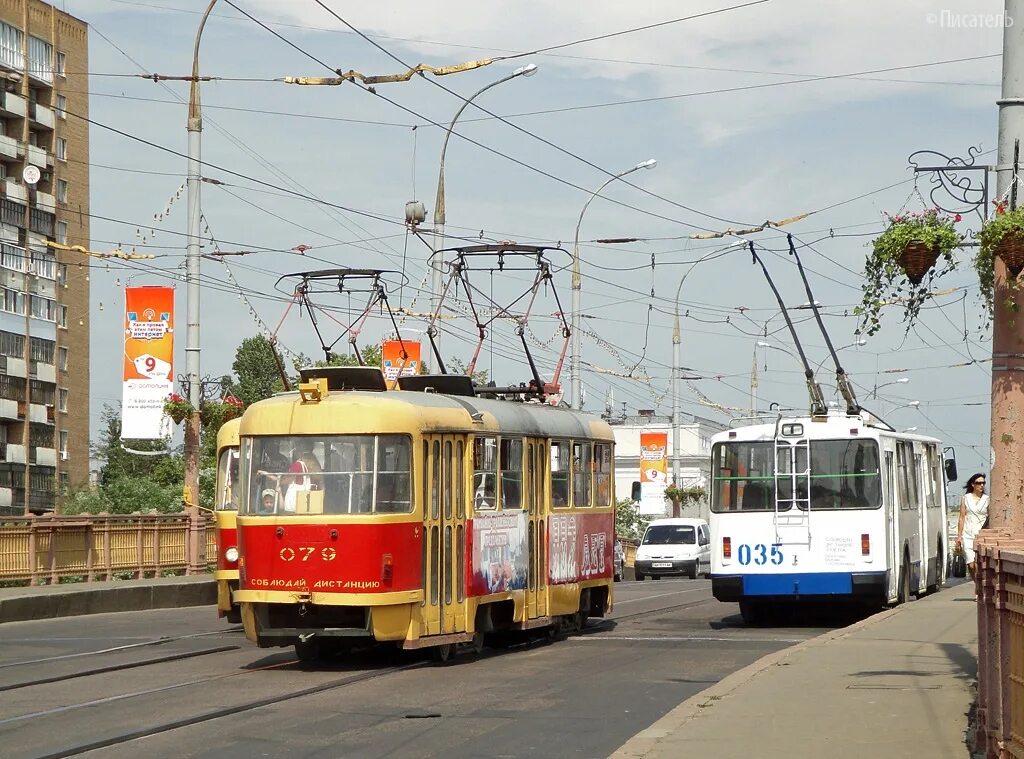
(148, 375)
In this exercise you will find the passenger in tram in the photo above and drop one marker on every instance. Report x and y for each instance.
(305, 474)
(269, 501)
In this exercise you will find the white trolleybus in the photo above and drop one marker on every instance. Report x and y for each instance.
(830, 508)
(835, 506)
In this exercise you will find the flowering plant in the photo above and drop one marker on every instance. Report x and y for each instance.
(683, 496)
(902, 264)
(215, 413)
(178, 408)
(1003, 236)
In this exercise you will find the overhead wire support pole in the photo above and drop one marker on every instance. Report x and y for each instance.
(196, 546)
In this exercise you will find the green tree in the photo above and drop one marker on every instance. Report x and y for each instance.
(456, 366)
(628, 522)
(256, 373)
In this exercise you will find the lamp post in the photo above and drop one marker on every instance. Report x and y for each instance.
(196, 557)
(576, 378)
(439, 217)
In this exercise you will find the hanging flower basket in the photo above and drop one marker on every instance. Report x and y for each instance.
(177, 408)
(916, 259)
(217, 412)
(1001, 237)
(915, 250)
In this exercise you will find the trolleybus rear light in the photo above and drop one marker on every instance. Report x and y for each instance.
(865, 544)
(726, 548)
(387, 568)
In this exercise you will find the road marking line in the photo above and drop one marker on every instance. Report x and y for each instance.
(660, 595)
(686, 638)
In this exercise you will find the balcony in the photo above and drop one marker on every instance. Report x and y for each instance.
(15, 454)
(6, 498)
(42, 222)
(15, 191)
(37, 413)
(9, 147)
(12, 105)
(46, 202)
(45, 456)
(46, 373)
(16, 367)
(8, 409)
(11, 212)
(36, 155)
(42, 115)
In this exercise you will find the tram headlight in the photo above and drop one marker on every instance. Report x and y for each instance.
(231, 554)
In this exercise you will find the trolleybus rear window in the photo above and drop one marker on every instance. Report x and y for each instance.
(333, 474)
(843, 474)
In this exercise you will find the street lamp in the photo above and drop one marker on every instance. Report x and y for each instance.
(576, 378)
(196, 562)
(528, 70)
(877, 387)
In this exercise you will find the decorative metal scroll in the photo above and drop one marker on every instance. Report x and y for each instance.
(955, 187)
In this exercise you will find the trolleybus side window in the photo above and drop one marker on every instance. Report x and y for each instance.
(934, 478)
(485, 473)
(845, 474)
(906, 474)
(743, 475)
(582, 465)
(559, 474)
(511, 473)
(602, 474)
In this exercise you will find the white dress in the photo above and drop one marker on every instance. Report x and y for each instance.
(975, 514)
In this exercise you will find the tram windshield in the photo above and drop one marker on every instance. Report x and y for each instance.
(228, 490)
(331, 474)
(844, 474)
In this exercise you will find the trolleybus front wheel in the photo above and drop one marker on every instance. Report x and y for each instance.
(903, 592)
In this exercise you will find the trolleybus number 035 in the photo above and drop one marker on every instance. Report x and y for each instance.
(759, 554)
(303, 553)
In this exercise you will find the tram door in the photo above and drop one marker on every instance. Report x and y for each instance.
(537, 570)
(444, 522)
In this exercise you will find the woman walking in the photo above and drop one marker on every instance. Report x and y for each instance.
(973, 516)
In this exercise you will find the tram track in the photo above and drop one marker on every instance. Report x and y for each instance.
(145, 732)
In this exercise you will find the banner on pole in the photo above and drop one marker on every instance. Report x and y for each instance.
(653, 472)
(148, 376)
(392, 361)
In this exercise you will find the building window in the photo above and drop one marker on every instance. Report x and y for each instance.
(62, 149)
(63, 396)
(63, 355)
(62, 107)
(12, 344)
(12, 257)
(41, 350)
(62, 64)
(62, 238)
(13, 302)
(10, 46)
(64, 445)
(64, 483)
(62, 316)
(62, 191)
(40, 57)
(44, 308)
(43, 264)
(62, 269)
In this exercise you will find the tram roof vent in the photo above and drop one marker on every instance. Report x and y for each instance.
(346, 377)
(446, 384)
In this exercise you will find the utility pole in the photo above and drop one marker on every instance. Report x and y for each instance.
(196, 542)
(1007, 477)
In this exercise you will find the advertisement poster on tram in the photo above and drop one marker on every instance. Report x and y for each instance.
(579, 547)
(653, 472)
(392, 362)
(148, 376)
(499, 553)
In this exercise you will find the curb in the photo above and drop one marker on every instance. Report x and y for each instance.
(646, 741)
(71, 602)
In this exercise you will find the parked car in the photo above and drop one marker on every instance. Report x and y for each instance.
(674, 547)
(620, 560)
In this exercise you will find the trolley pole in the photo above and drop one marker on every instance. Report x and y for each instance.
(195, 549)
(1007, 477)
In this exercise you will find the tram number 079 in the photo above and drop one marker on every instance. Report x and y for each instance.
(759, 554)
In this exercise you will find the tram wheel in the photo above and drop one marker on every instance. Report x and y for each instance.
(234, 616)
(442, 653)
(477, 646)
(309, 650)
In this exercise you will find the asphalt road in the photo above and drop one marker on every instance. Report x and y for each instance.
(181, 683)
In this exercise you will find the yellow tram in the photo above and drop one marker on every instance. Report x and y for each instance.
(226, 500)
(424, 517)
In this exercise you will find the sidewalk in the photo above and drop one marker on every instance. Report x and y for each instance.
(898, 684)
(71, 599)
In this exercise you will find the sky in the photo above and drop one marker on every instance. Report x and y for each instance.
(754, 111)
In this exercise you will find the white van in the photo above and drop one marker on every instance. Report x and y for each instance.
(674, 547)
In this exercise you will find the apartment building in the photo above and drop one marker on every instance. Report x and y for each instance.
(44, 291)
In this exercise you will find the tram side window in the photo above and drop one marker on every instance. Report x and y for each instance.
(602, 474)
(559, 474)
(229, 491)
(582, 466)
(394, 494)
(742, 476)
(906, 474)
(511, 474)
(485, 473)
(845, 474)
